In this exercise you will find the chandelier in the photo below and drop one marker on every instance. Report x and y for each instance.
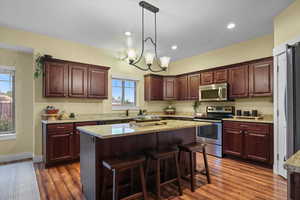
(162, 62)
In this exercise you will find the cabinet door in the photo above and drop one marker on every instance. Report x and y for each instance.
(207, 78)
(170, 88)
(182, 82)
(261, 78)
(233, 142)
(257, 145)
(59, 146)
(97, 83)
(221, 76)
(55, 79)
(193, 86)
(153, 88)
(238, 80)
(76, 138)
(77, 81)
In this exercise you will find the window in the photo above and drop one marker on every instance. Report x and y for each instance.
(123, 93)
(7, 100)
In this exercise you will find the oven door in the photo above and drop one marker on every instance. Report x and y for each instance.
(211, 134)
(214, 92)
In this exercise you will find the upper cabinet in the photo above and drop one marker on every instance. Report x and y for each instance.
(220, 76)
(55, 79)
(153, 87)
(238, 81)
(71, 79)
(77, 81)
(207, 78)
(97, 83)
(170, 88)
(261, 78)
(193, 86)
(182, 84)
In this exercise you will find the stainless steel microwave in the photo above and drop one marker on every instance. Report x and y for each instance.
(213, 92)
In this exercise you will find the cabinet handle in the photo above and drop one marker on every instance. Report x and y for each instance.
(241, 132)
(245, 132)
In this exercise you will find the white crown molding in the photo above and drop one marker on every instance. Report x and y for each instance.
(15, 157)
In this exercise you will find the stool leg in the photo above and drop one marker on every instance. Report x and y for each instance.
(206, 165)
(158, 179)
(192, 171)
(178, 174)
(103, 193)
(142, 177)
(147, 169)
(131, 180)
(115, 185)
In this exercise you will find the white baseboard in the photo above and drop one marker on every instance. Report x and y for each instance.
(37, 159)
(15, 157)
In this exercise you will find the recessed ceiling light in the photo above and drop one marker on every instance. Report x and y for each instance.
(127, 33)
(231, 25)
(174, 47)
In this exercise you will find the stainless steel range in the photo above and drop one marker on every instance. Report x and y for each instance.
(212, 135)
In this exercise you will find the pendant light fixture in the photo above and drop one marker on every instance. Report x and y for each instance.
(150, 58)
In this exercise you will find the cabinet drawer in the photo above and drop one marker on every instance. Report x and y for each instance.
(257, 127)
(85, 124)
(231, 125)
(60, 127)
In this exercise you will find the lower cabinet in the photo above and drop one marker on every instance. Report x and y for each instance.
(251, 141)
(61, 142)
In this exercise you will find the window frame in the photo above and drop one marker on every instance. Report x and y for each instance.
(124, 106)
(12, 71)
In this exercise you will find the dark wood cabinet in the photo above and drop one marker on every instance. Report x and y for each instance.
(193, 86)
(97, 83)
(77, 80)
(238, 81)
(60, 146)
(207, 78)
(55, 79)
(261, 78)
(220, 76)
(170, 88)
(153, 87)
(182, 82)
(233, 142)
(252, 141)
(76, 138)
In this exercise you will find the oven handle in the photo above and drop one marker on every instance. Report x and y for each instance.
(208, 120)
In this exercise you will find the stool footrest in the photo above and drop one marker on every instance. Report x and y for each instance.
(168, 181)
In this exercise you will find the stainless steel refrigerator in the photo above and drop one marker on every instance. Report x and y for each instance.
(292, 100)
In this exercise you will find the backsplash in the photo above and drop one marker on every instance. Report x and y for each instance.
(264, 105)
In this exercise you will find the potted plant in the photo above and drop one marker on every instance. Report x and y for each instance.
(39, 64)
(196, 106)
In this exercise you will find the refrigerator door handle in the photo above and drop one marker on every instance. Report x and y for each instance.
(285, 104)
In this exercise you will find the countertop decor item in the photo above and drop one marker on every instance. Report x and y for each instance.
(170, 110)
(162, 63)
(196, 106)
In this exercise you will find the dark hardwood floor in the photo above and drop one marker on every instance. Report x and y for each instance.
(231, 180)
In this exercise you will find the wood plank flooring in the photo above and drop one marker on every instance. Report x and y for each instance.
(231, 180)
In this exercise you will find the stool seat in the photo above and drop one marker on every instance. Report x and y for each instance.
(124, 162)
(156, 154)
(192, 147)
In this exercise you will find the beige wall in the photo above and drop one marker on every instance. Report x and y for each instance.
(287, 24)
(24, 102)
(244, 51)
(67, 50)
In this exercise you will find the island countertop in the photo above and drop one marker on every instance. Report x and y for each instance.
(293, 163)
(127, 129)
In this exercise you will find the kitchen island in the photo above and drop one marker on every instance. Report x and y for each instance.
(107, 141)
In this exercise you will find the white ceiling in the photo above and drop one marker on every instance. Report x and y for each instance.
(196, 26)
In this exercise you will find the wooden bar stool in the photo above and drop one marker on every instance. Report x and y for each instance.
(118, 165)
(158, 156)
(192, 149)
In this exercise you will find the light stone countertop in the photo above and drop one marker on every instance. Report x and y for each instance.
(293, 163)
(266, 119)
(122, 130)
